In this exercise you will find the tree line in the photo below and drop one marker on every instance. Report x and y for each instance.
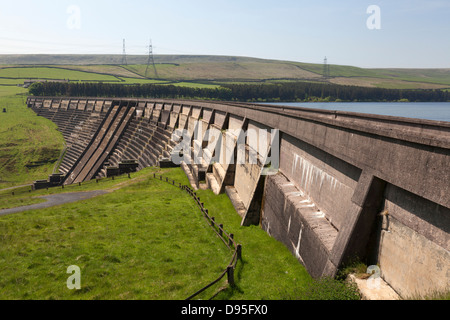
(287, 91)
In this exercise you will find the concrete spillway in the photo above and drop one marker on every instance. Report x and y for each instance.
(329, 185)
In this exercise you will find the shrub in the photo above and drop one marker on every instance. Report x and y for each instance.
(331, 289)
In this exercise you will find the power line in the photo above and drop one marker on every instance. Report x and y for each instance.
(124, 54)
(151, 60)
(326, 68)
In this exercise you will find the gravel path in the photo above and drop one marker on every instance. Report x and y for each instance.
(55, 200)
(15, 187)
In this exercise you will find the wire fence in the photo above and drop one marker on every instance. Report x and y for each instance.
(227, 238)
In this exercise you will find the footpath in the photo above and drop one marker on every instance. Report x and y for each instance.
(55, 200)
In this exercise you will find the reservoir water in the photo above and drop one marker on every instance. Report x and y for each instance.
(438, 111)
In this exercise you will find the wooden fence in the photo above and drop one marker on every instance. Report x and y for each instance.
(227, 238)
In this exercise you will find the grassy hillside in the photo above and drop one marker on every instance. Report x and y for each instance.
(210, 70)
(145, 240)
(29, 145)
(47, 73)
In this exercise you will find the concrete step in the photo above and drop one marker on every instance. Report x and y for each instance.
(219, 172)
(236, 201)
(212, 183)
(189, 175)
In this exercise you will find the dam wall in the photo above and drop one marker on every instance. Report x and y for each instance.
(331, 186)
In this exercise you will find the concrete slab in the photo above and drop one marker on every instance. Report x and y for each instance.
(376, 289)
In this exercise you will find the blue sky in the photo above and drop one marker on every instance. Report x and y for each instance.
(413, 34)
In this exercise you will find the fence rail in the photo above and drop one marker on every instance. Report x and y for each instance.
(227, 238)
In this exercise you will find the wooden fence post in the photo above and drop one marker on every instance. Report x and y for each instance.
(230, 273)
(231, 239)
(239, 252)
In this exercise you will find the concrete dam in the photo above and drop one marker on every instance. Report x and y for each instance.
(331, 186)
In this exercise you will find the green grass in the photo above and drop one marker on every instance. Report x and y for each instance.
(11, 82)
(141, 81)
(127, 244)
(124, 252)
(21, 195)
(8, 200)
(209, 69)
(15, 75)
(437, 76)
(226, 70)
(194, 85)
(268, 270)
(8, 91)
(146, 240)
(29, 145)
(53, 73)
(114, 70)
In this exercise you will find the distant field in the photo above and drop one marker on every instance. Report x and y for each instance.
(46, 73)
(11, 90)
(212, 70)
(219, 71)
(385, 83)
(13, 76)
(386, 78)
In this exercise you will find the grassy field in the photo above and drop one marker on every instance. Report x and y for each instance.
(144, 240)
(385, 78)
(208, 70)
(17, 75)
(228, 71)
(51, 73)
(29, 145)
(126, 244)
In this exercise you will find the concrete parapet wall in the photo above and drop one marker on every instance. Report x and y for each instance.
(348, 184)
